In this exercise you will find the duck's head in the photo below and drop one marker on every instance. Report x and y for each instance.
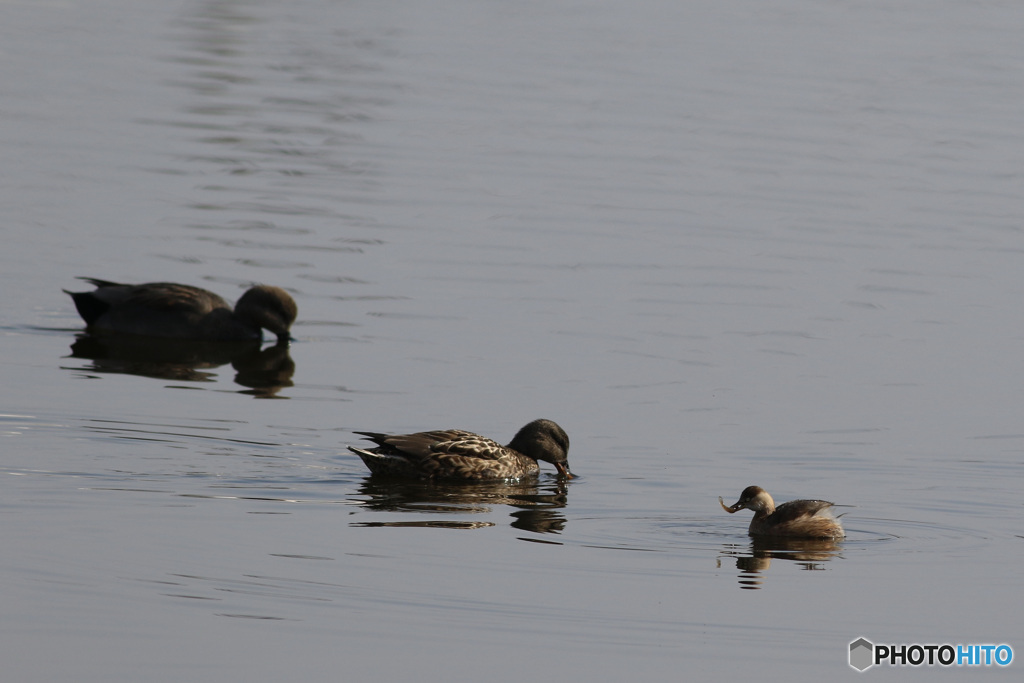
(544, 440)
(270, 308)
(753, 498)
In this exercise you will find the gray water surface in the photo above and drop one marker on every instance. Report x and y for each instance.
(776, 243)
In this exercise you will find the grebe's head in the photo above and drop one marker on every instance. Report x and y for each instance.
(753, 498)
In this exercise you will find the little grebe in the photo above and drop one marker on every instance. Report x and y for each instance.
(797, 518)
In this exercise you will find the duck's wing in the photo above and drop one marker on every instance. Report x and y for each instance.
(435, 444)
(469, 445)
(169, 296)
(160, 296)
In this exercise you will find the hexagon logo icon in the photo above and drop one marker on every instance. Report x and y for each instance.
(861, 654)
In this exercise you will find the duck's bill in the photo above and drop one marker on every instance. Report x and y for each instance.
(563, 470)
(727, 508)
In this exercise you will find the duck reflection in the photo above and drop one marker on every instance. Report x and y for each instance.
(537, 505)
(754, 560)
(264, 371)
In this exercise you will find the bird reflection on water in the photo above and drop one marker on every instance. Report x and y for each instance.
(755, 559)
(263, 371)
(537, 504)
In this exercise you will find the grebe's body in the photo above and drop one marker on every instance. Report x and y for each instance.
(795, 519)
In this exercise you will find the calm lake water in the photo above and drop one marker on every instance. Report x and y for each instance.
(758, 242)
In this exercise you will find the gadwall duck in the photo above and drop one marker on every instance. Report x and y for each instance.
(795, 519)
(454, 454)
(166, 309)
